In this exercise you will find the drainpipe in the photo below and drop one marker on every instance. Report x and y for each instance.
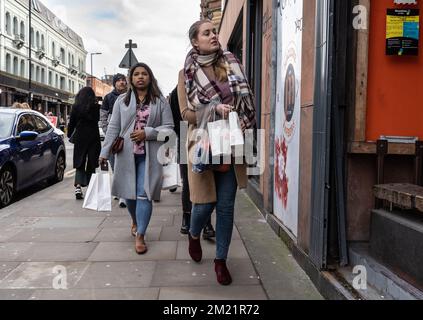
(321, 133)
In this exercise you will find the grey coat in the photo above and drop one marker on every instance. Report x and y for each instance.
(160, 120)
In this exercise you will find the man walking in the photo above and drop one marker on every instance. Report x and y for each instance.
(120, 87)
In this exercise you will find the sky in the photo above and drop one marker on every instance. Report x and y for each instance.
(158, 27)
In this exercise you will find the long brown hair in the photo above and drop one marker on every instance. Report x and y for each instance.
(220, 68)
(153, 91)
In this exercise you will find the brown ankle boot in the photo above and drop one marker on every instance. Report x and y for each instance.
(140, 246)
(222, 273)
(194, 249)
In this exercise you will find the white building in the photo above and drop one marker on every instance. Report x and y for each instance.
(57, 56)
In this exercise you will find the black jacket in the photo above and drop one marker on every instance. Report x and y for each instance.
(87, 137)
(109, 101)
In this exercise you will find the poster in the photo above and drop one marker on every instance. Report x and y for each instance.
(402, 32)
(288, 110)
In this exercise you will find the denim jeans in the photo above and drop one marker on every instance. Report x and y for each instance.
(226, 187)
(140, 209)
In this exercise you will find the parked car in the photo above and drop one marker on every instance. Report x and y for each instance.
(31, 150)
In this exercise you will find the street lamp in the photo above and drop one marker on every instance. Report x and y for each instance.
(93, 53)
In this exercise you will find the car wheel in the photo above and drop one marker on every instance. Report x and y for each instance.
(7, 187)
(59, 171)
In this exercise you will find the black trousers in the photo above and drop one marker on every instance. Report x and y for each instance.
(186, 202)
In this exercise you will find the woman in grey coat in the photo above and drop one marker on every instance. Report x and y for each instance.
(143, 118)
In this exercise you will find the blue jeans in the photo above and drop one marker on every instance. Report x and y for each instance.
(140, 209)
(226, 187)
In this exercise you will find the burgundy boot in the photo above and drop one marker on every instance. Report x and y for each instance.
(222, 272)
(194, 249)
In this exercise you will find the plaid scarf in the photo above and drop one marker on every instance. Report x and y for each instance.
(201, 92)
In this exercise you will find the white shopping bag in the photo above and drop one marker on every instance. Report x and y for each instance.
(237, 138)
(98, 196)
(171, 176)
(219, 136)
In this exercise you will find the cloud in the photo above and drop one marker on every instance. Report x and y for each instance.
(159, 27)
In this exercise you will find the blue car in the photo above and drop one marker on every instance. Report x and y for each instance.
(31, 150)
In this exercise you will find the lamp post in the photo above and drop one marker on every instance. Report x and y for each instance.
(93, 53)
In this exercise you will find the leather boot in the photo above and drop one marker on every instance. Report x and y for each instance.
(140, 246)
(208, 231)
(186, 220)
(222, 273)
(194, 249)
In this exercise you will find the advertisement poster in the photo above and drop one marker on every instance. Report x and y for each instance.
(402, 32)
(288, 110)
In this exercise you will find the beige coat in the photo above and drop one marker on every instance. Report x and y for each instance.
(202, 186)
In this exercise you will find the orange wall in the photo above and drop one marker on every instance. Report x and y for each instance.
(395, 84)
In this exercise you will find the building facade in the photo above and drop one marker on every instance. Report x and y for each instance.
(58, 57)
(340, 117)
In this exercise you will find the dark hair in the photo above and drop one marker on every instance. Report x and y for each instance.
(85, 99)
(153, 91)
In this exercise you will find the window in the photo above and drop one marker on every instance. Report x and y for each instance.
(53, 50)
(41, 125)
(32, 38)
(56, 82)
(26, 123)
(43, 75)
(22, 30)
(62, 55)
(42, 42)
(32, 72)
(15, 26)
(62, 83)
(6, 124)
(15, 66)
(70, 86)
(37, 39)
(8, 24)
(50, 78)
(8, 63)
(23, 68)
(73, 60)
(69, 59)
(38, 75)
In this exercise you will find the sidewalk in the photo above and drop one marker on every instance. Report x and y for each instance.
(50, 229)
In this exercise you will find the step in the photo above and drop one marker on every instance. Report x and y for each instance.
(380, 278)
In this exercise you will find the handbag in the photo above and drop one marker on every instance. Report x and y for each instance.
(117, 145)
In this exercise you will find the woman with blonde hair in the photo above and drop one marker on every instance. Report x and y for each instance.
(209, 87)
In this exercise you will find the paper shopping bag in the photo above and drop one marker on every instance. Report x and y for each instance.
(171, 176)
(98, 196)
(219, 136)
(237, 138)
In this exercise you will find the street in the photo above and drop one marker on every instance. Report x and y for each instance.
(51, 248)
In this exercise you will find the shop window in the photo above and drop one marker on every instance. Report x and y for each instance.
(235, 41)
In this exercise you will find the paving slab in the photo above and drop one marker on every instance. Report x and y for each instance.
(236, 250)
(106, 275)
(56, 235)
(122, 222)
(46, 251)
(185, 273)
(233, 292)
(19, 295)
(6, 268)
(124, 235)
(125, 251)
(97, 294)
(13, 251)
(44, 275)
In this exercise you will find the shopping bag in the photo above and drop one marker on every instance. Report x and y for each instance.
(219, 136)
(98, 196)
(171, 176)
(236, 138)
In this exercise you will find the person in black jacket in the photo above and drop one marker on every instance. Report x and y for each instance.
(120, 86)
(83, 125)
(208, 231)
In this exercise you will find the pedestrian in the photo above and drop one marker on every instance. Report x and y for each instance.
(25, 106)
(119, 87)
(210, 85)
(17, 105)
(83, 128)
(139, 116)
(208, 231)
